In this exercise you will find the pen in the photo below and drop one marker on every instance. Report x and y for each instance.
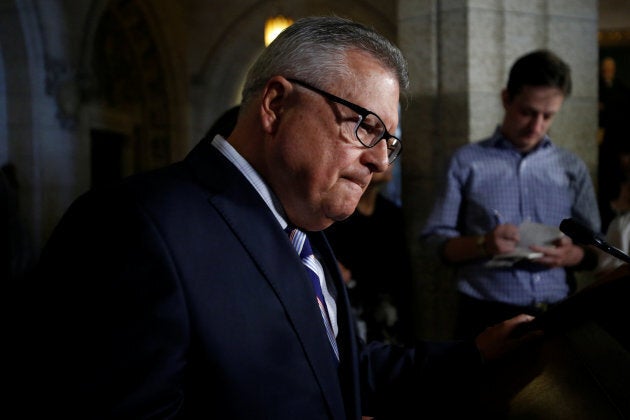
(497, 216)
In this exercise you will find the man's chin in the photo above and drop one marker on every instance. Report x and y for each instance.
(321, 223)
(526, 143)
(531, 138)
(341, 215)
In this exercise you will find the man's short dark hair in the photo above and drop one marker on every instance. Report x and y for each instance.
(539, 68)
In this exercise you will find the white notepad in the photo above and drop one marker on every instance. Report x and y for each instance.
(530, 234)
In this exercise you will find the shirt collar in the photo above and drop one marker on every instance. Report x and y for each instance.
(253, 177)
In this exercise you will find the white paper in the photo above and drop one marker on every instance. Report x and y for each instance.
(530, 234)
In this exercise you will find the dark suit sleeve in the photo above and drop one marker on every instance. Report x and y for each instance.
(113, 323)
(432, 379)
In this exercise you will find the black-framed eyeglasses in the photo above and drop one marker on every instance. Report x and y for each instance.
(370, 128)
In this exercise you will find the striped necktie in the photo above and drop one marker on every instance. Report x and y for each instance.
(303, 247)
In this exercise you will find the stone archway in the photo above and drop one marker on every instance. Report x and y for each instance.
(234, 44)
(132, 127)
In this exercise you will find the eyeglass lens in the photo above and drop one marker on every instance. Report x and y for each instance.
(370, 131)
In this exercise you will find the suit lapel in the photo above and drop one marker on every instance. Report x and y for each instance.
(267, 244)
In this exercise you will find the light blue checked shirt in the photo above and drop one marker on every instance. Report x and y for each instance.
(490, 183)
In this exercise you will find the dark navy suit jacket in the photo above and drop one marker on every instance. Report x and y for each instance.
(177, 294)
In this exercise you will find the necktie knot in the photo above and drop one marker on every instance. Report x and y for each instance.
(302, 245)
(299, 240)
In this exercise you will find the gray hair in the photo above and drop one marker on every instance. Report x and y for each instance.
(314, 49)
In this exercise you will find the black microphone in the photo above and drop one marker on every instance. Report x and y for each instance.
(584, 236)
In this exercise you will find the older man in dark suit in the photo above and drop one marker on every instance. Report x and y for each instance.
(179, 293)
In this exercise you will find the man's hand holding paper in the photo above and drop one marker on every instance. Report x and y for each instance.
(561, 253)
(533, 241)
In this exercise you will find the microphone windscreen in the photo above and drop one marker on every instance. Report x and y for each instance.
(578, 232)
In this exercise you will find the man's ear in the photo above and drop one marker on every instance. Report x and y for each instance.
(274, 98)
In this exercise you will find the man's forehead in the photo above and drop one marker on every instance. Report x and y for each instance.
(530, 93)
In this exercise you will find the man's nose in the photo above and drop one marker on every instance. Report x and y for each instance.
(538, 123)
(378, 156)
